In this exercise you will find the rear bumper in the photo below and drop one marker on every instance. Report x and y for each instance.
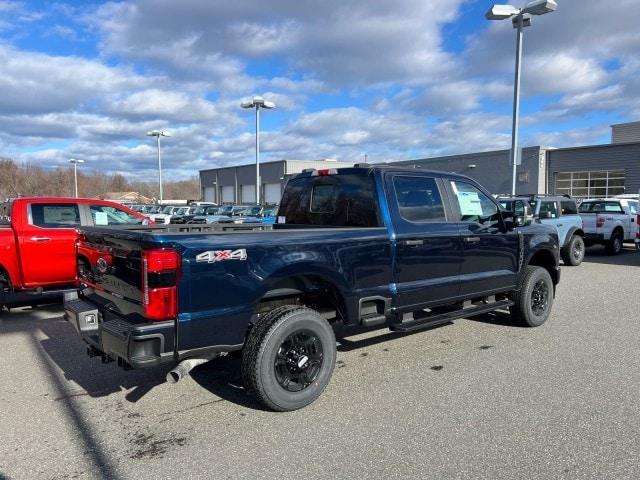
(131, 345)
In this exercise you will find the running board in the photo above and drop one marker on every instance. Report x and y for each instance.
(435, 320)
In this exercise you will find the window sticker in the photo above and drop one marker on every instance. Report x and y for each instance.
(101, 218)
(469, 203)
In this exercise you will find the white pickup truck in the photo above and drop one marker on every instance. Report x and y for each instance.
(610, 222)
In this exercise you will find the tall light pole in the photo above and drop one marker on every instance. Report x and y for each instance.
(75, 162)
(158, 134)
(520, 18)
(258, 103)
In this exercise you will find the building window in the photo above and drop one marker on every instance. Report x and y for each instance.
(591, 184)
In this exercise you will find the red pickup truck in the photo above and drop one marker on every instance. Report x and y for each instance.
(37, 243)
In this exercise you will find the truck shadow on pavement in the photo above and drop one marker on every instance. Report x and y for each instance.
(61, 346)
(628, 257)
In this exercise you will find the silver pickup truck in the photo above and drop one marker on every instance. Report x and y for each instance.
(610, 222)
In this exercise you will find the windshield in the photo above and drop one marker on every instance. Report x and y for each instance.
(167, 209)
(506, 205)
(211, 211)
(226, 210)
(252, 211)
(181, 211)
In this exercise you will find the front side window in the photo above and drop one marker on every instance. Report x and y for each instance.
(419, 199)
(550, 208)
(55, 215)
(106, 215)
(474, 205)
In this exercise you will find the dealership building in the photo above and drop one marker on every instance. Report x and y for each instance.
(238, 184)
(582, 172)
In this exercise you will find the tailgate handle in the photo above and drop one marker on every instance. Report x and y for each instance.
(472, 239)
(40, 239)
(413, 243)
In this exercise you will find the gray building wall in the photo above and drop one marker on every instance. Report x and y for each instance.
(597, 157)
(625, 132)
(492, 169)
(270, 173)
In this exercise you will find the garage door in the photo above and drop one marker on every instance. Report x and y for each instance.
(271, 193)
(210, 194)
(248, 194)
(227, 194)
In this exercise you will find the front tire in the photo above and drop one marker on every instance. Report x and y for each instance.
(289, 358)
(614, 246)
(573, 252)
(534, 299)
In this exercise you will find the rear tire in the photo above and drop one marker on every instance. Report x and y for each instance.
(614, 246)
(289, 358)
(534, 298)
(573, 252)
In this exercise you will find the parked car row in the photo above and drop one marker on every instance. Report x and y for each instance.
(609, 221)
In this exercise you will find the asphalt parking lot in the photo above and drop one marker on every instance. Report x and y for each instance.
(473, 399)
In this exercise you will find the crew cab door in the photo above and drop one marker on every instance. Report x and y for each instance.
(429, 251)
(490, 251)
(47, 243)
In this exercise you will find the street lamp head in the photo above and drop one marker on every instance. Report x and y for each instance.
(540, 7)
(158, 133)
(501, 12)
(76, 160)
(258, 102)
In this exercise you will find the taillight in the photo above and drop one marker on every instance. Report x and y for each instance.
(638, 225)
(160, 272)
(599, 221)
(327, 171)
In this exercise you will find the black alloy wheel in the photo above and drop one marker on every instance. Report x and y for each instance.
(539, 298)
(298, 361)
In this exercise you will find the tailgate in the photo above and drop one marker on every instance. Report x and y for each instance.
(136, 282)
(589, 222)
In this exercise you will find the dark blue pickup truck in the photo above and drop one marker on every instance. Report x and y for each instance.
(370, 245)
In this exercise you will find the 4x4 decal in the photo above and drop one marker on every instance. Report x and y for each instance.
(219, 255)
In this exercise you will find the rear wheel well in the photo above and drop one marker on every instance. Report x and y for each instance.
(311, 290)
(4, 277)
(619, 230)
(546, 260)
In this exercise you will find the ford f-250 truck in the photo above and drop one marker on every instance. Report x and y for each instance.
(369, 245)
(37, 243)
(610, 222)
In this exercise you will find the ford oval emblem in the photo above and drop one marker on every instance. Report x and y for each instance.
(102, 265)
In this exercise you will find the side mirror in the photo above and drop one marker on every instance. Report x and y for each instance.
(525, 219)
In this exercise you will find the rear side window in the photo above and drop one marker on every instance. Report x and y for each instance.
(568, 207)
(342, 200)
(419, 199)
(55, 215)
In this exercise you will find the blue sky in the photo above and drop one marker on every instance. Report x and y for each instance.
(392, 80)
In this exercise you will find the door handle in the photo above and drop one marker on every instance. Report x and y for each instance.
(472, 239)
(413, 243)
(40, 239)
